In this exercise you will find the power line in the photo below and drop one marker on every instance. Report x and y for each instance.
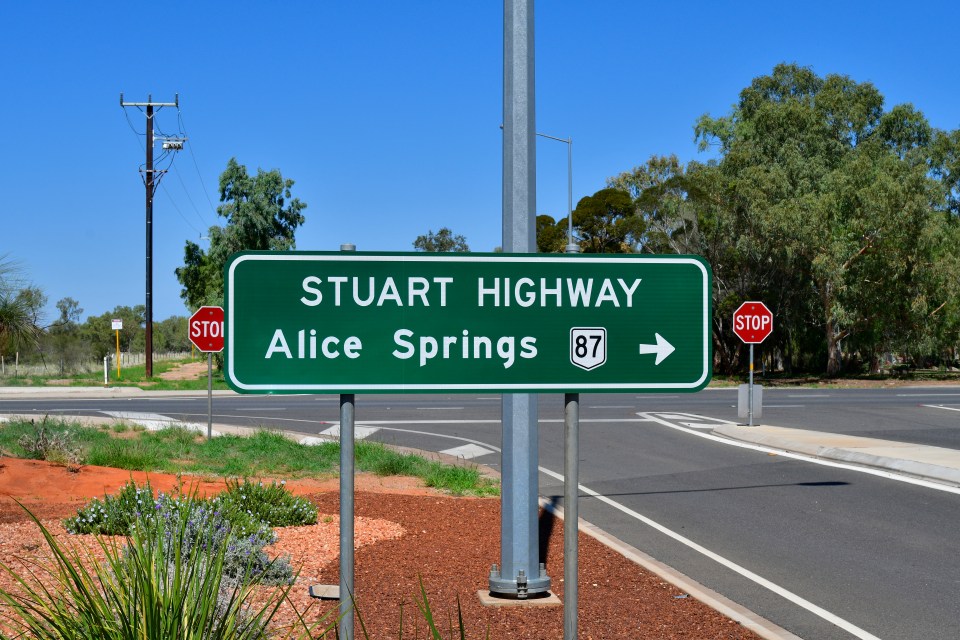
(183, 131)
(187, 193)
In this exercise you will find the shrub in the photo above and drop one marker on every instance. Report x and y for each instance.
(47, 443)
(268, 503)
(207, 522)
(114, 514)
(162, 585)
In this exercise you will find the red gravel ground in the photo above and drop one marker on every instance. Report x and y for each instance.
(449, 542)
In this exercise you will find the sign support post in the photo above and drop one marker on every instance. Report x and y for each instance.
(205, 329)
(209, 395)
(750, 395)
(571, 518)
(752, 323)
(347, 415)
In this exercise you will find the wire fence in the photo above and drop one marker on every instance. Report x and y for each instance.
(11, 367)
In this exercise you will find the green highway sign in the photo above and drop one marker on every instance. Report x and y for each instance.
(357, 322)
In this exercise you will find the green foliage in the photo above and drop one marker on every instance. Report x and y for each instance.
(114, 514)
(269, 503)
(98, 333)
(606, 222)
(169, 581)
(458, 480)
(825, 206)
(241, 519)
(260, 215)
(443, 241)
(551, 234)
(20, 308)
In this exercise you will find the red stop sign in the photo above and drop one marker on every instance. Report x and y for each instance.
(752, 322)
(206, 329)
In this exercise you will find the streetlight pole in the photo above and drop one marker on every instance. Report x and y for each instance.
(571, 246)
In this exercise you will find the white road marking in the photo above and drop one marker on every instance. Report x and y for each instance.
(729, 564)
(925, 395)
(359, 433)
(612, 406)
(262, 409)
(698, 425)
(940, 406)
(889, 475)
(312, 441)
(467, 451)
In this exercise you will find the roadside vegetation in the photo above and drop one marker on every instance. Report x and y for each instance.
(186, 566)
(265, 453)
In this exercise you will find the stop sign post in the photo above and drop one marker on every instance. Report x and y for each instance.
(752, 323)
(205, 329)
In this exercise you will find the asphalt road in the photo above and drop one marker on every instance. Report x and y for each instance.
(807, 546)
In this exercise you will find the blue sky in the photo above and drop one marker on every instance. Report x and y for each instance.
(385, 114)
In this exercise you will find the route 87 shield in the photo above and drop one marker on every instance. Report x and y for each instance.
(588, 347)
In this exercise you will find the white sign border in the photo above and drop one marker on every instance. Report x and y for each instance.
(472, 258)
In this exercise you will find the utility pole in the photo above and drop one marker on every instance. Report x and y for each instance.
(151, 181)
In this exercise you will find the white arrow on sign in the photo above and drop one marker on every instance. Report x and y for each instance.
(662, 349)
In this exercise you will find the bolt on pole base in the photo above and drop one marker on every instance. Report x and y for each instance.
(521, 587)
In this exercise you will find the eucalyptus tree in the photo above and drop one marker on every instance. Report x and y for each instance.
(831, 188)
(260, 214)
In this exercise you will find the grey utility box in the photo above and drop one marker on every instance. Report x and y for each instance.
(743, 401)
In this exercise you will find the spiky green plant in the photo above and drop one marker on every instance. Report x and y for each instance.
(152, 588)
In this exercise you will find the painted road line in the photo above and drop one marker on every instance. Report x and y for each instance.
(889, 475)
(729, 564)
(467, 451)
(926, 395)
(612, 406)
(359, 433)
(940, 406)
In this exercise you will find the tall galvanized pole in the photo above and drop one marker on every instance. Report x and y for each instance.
(520, 573)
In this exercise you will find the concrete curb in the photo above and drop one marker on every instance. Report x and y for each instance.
(860, 451)
(32, 393)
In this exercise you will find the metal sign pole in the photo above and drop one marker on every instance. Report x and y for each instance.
(209, 395)
(347, 409)
(750, 391)
(571, 496)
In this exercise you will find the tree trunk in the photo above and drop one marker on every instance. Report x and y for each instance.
(833, 362)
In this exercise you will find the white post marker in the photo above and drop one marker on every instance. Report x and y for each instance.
(752, 323)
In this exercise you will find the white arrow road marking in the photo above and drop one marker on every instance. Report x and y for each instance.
(359, 433)
(467, 451)
(662, 348)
